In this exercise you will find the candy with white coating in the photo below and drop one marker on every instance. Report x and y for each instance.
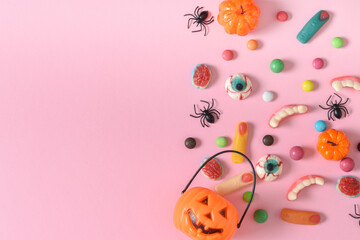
(345, 81)
(268, 96)
(285, 112)
(269, 167)
(301, 183)
(238, 86)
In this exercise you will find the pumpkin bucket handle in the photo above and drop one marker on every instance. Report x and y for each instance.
(253, 169)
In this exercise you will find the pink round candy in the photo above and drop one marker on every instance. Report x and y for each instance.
(282, 16)
(318, 63)
(347, 164)
(296, 153)
(227, 55)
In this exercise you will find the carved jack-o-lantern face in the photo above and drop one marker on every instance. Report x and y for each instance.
(204, 215)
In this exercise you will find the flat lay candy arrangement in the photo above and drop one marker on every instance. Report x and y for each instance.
(201, 213)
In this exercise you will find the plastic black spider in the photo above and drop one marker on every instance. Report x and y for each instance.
(335, 108)
(206, 115)
(357, 215)
(199, 18)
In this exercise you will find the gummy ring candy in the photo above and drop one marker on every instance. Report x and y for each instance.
(238, 86)
(269, 167)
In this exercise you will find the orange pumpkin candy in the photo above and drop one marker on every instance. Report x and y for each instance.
(204, 215)
(238, 16)
(333, 145)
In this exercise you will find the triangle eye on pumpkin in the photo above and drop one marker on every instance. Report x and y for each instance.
(223, 212)
(208, 216)
(205, 201)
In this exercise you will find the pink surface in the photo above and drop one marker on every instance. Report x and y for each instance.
(95, 98)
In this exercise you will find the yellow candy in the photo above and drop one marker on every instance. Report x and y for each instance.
(308, 85)
(239, 143)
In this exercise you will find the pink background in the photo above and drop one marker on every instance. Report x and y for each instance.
(95, 98)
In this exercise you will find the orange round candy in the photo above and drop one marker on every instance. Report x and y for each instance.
(252, 44)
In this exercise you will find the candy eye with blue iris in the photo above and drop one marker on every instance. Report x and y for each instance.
(271, 166)
(238, 84)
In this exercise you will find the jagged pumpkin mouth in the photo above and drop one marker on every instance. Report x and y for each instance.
(198, 225)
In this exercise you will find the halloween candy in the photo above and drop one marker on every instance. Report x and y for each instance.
(277, 65)
(333, 145)
(213, 169)
(345, 81)
(347, 164)
(227, 55)
(240, 139)
(312, 26)
(285, 112)
(238, 86)
(232, 184)
(337, 42)
(190, 143)
(301, 183)
(348, 186)
(238, 16)
(269, 167)
(300, 217)
(200, 76)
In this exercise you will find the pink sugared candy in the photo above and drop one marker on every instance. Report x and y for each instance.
(227, 55)
(213, 169)
(318, 63)
(282, 16)
(296, 153)
(347, 164)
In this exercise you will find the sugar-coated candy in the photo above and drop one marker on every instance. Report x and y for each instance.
(213, 169)
(221, 142)
(252, 44)
(337, 42)
(276, 65)
(268, 140)
(227, 55)
(190, 142)
(347, 164)
(296, 153)
(318, 63)
(348, 186)
(260, 216)
(268, 96)
(308, 85)
(247, 196)
(320, 125)
(282, 16)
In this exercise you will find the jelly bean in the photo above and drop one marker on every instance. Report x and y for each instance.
(268, 96)
(247, 196)
(308, 85)
(347, 164)
(260, 216)
(276, 65)
(282, 16)
(252, 44)
(227, 55)
(337, 42)
(190, 143)
(296, 153)
(221, 142)
(320, 126)
(268, 140)
(318, 63)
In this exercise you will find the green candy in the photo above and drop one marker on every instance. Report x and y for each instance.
(337, 42)
(221, 142)
(247, 196)
(276, 65)
(260, 216)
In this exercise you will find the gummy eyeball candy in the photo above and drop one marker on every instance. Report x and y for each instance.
(238, 86)
(269, 167)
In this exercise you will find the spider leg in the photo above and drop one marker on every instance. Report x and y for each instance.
(195, 11)
(338, 97)
(342, 104)
(215, 113)
(189, 15)
(202, 24)
(204, 122)
(195, 116)
(199, 29)
(189, 23)
(201, 121)
(212, 103)
(327, 101)
(209, 21)
(206, 103)
(196, 112)
(324, 108)
(355, 210)
(198, 11)
(330, 114)
(356, 217)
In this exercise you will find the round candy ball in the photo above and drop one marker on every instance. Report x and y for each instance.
(318, 63)
(276, 65)
(308, 85)
(247, 196)
(221, 142)
(337, 42)
(252, 44)
(347, 164)
(268, 140)
(320, 126)
(296, 153)
(268, 96)
(282, 16)
(260, 216)
(227, 55)
(190, 143)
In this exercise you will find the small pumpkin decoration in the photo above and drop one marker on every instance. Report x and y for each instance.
(333, 145)
(238, 16)
(204, 215)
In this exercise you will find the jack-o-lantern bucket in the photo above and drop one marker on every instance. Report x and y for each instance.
(203, 214)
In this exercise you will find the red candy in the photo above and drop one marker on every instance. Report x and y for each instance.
(227, 55)
(324, 15)
(282, 16)
(212, 169)
(347, 164)
(348, 186)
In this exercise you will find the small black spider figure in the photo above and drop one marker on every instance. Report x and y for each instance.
(199, 18)
(357, 215)
(206, 115)
(335, 108)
